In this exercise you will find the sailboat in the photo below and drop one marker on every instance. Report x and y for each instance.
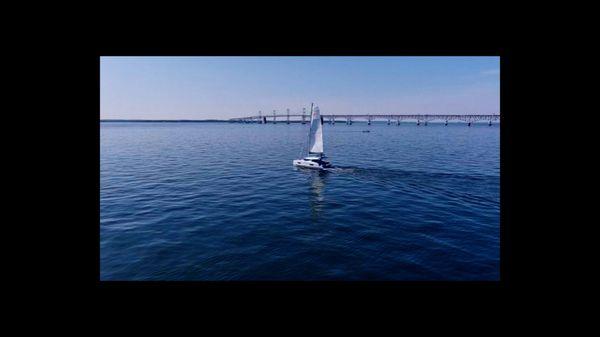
(315, 157)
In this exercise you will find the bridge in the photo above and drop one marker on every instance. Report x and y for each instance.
(349, 119)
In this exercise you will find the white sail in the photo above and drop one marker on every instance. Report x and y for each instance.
(316, 132)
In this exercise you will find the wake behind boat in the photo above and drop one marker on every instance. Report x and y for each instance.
(315, 157)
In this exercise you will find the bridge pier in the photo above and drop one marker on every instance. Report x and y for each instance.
(288, 116)
(303, 115)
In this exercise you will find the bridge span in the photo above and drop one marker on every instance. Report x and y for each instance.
(368, 118)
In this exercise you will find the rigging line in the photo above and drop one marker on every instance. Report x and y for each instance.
(309, 130)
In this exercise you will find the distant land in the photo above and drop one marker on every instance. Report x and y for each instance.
(177, 121)
(166, 120)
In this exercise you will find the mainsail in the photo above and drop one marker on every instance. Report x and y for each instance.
(316, 133)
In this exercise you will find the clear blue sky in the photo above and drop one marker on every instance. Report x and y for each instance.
(226, 87)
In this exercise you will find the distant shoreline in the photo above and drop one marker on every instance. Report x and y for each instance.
(164, 120)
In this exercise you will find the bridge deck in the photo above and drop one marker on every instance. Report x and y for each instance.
(368, 117)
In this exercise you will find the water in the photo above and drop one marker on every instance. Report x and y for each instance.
(219, 201)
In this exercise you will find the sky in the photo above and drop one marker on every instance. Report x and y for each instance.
(228, 87)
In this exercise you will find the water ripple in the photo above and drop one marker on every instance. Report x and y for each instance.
(213, 201)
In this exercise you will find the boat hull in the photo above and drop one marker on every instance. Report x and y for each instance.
(307, 164)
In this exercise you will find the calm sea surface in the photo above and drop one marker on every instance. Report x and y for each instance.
(219, 201)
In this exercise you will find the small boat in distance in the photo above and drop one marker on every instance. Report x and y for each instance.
(315, 157)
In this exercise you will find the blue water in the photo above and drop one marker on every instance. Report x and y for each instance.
(219, 201)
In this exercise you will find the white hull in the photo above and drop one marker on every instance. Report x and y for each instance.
(310, 164)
